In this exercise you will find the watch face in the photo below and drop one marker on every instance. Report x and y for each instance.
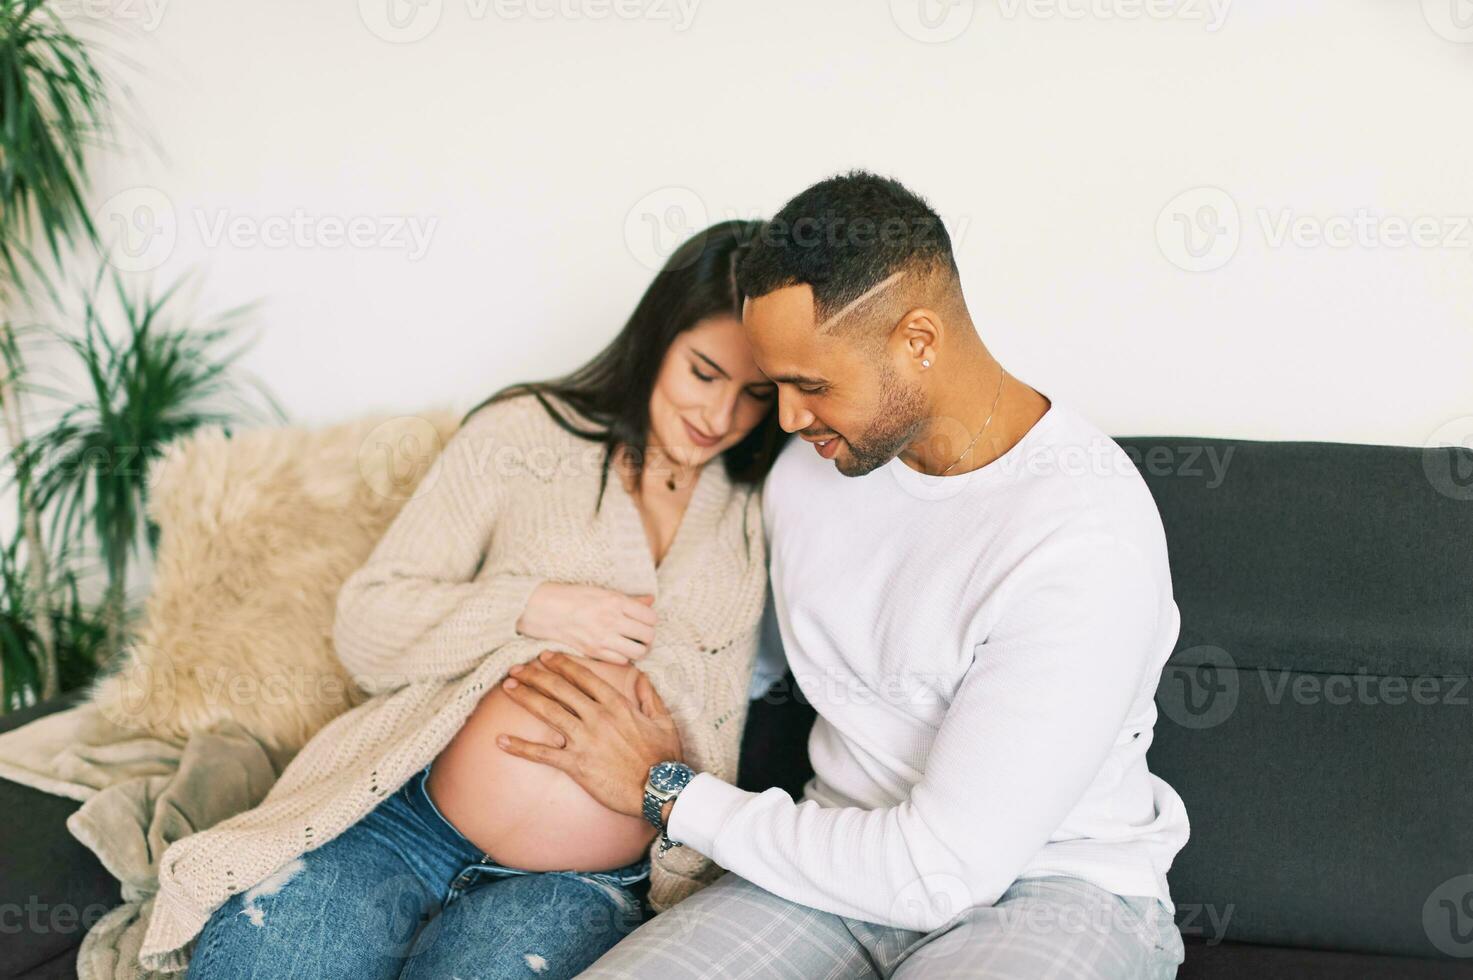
(668, 776)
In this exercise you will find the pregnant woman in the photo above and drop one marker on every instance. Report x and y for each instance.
(613, 515)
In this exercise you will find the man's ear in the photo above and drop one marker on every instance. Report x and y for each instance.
(921, 332)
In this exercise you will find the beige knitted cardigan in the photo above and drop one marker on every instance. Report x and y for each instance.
(427, 626)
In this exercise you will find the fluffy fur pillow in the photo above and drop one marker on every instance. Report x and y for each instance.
(258, 533)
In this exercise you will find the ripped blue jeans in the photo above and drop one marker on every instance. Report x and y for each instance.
(402, 894)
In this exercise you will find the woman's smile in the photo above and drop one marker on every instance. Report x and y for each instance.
(700, 438)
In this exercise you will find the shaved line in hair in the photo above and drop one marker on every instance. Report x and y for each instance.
(862, 298)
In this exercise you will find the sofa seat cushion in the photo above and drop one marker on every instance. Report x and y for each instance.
(1233, 961)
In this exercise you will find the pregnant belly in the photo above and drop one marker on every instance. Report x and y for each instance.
(526, 815)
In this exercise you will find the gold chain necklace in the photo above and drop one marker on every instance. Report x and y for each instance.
(995, 399)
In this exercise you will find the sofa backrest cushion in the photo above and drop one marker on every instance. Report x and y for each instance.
(1317, 715)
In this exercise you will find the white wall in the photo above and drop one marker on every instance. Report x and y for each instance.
(540, 143)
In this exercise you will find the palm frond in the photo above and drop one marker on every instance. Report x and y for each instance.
(53, 107)
(150, 374)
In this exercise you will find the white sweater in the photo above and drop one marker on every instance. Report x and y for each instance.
(983, 651)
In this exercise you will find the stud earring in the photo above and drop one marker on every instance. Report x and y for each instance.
(925, 364)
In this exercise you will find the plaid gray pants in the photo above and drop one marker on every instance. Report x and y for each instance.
(1041, 928)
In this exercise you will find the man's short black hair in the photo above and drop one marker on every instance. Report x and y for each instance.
(845, 236)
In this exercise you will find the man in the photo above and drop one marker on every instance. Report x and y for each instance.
(972, 590)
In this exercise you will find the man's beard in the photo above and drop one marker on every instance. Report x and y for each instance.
(900, 417)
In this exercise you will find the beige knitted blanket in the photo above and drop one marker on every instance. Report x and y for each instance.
(139, 794)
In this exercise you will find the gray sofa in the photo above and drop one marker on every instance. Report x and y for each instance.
(1317, 718)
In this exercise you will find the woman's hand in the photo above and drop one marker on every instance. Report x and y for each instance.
(598, 623)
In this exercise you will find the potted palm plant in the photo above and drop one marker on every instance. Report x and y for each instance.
(53, 107)
(152, 372)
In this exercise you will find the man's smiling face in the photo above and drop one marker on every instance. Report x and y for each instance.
(841, 395)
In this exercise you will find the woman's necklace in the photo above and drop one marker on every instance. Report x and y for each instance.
(634, 485)
(995, 399)
(670, 483)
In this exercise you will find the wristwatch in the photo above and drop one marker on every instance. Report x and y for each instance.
(665, 782)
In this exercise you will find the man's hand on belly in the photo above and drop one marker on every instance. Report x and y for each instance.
(605, 742)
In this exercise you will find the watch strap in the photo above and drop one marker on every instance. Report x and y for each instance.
(652, 806)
